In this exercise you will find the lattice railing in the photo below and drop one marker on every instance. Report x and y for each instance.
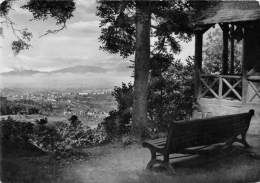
(221, 86)
(254, 84)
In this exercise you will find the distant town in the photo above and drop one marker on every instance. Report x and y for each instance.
(91, 106)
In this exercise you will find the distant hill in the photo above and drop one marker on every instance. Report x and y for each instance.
(74, 69)
(71, 77)
(81, 69)
(21, 73)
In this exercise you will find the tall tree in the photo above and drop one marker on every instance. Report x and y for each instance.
(127, 28)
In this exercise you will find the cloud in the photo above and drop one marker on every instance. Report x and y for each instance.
(85, 10)
(89, 6)
(84, 24)
(86, 27)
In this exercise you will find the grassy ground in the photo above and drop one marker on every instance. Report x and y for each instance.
(114, 163)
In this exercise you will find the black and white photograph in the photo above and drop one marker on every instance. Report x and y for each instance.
(129, 91)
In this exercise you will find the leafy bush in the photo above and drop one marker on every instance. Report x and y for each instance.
(118, 121)
(15, 132)
(171, 91)
(60, 139)
(64, 137)
(177, 96)
(111, 123)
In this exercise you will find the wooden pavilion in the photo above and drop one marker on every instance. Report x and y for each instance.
(228, 93)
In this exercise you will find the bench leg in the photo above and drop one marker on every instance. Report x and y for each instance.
(152, 161)
(244, 140)
(166, 164)
(230, 141)
(162, 163)
(241, 141)
(168, 167)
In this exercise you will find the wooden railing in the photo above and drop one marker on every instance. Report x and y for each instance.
(230, 87)
(254, 83)
(221, 86)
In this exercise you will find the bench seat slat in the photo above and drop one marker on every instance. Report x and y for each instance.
(157, 140)
(157, 144)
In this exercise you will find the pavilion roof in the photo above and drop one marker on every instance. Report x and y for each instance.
(227, 12)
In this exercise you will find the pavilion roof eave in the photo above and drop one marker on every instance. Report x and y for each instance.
(227, 12)
(207, 23)
(202, 27)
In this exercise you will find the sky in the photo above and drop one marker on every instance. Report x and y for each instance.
(77, 45)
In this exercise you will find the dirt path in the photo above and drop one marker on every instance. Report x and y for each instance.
(115, 164)
(110, 164)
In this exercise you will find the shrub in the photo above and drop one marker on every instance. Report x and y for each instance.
(111, 123)
(15, 131)
(64, 137)
(60, 139)
(118, 121)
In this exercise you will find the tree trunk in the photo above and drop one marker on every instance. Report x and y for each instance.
(141, 72)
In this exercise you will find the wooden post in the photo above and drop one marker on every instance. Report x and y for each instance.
(232, 53)
(246, 48)
(220, 88)
(198, 64)
(225, 50)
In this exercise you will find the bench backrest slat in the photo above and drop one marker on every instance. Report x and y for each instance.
(190, 133)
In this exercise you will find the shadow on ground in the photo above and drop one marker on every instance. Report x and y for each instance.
(114, 163)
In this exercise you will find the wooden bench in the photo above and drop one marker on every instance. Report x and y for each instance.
(182, 135)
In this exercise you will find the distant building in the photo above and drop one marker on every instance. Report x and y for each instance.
(83, 94)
